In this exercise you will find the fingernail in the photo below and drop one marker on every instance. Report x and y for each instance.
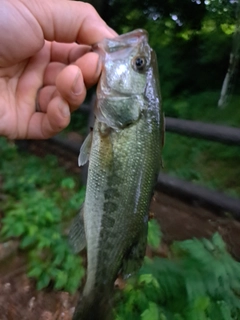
(64, 108)
(77, 84)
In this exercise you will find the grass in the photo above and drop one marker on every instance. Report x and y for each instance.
(207, 163)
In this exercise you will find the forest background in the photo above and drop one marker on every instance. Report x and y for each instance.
(195, 279)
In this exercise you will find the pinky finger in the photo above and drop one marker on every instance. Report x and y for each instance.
(46, 125)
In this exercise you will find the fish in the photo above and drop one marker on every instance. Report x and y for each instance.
(124, 153)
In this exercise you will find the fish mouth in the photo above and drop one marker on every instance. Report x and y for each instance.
(117, 95)
(127, 40)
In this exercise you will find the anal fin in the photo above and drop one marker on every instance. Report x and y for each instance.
(134, 258)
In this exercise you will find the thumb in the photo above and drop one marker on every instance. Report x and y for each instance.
(31, 22)
(69, 21)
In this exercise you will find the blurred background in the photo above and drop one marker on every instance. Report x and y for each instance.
(192, 269)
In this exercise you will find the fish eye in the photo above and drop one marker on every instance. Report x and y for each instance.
(139, 63)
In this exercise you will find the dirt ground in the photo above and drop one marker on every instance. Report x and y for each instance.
(180, 221)
(19, 299)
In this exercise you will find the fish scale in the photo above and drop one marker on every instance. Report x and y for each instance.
(124, 153)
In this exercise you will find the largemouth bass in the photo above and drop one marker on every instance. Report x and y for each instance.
(124, 153)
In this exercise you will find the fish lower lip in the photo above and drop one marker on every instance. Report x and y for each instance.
(115, 95)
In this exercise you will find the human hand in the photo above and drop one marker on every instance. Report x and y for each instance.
(44, 73)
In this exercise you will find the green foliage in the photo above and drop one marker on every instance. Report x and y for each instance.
(35, 212)
(200, 280)
(154, 234)
(208, 163)
(193, 39)
(223, 8)
(202, 107)
(52, 261)
(79, 122)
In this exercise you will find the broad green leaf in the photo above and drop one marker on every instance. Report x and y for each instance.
(27, 241)
(152, 313)
(43, 281)
(154, 234)
(35, 272)
(68, 183)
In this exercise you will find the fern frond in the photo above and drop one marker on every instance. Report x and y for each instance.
(200, 281)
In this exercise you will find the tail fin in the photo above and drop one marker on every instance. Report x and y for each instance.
(95, 307)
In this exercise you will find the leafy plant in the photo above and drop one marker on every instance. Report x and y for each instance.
(154, 234)
(51, 261)
(37, 214)
(200, 280)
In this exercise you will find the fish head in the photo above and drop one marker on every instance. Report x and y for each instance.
(126, 61)
(128, 87)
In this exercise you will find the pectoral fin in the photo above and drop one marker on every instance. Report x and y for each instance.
(85, 150)
(77, 239)
(134, 259)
